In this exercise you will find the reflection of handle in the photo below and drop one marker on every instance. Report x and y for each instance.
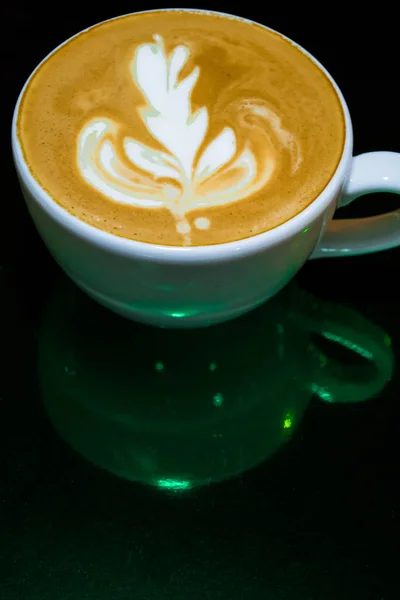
(334, 380)
(371, 172)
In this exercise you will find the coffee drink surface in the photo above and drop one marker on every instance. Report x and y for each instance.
(181, 128)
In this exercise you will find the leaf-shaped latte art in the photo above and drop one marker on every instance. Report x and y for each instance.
(180, 178)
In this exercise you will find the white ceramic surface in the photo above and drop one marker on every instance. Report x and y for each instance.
(198, 286)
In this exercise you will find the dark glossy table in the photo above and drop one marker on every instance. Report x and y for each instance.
(253, 460)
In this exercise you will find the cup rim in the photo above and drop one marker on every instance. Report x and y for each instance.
(184, 254)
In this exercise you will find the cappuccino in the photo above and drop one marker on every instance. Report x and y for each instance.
(182, 128)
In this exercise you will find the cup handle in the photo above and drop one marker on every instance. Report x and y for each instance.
(333, 380)
(371, 172)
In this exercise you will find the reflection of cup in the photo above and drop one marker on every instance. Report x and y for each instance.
(194, 286)
(181, 408)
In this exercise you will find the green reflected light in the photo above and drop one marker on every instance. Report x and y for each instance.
(175, 485)
(348, 344)
(159, 366)
(322, 392)
(287, 422)
(218, 400)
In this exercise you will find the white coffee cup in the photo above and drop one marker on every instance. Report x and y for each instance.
(201, 285)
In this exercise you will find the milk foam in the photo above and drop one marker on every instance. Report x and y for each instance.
(185, 175)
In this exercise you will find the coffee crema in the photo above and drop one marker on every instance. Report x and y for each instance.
(181, 128)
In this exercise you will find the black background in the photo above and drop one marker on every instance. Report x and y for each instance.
(320, 520)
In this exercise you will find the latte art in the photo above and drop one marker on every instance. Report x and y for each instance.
(181, 128)
(185, 176)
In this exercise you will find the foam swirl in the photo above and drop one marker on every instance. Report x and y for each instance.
(189, 174)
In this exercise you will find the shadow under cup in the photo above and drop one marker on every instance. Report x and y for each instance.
(178, 409)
